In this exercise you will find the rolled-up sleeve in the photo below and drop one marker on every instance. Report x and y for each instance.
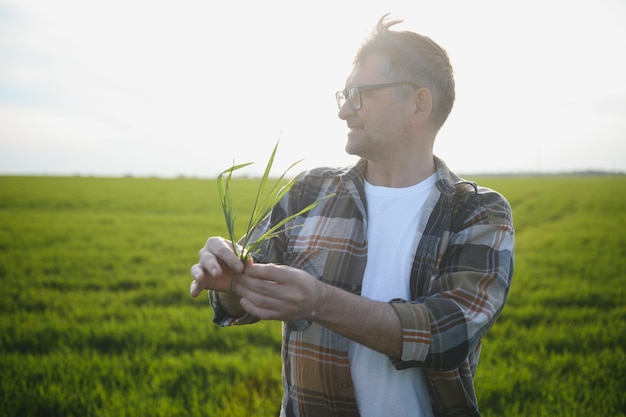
(415, 323)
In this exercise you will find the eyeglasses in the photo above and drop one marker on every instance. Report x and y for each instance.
(353, 94)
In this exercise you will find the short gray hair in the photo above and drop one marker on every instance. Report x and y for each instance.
(414, 58)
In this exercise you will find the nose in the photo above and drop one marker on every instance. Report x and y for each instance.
(345, 111)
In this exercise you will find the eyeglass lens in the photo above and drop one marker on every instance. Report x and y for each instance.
(354, 95)
(341, 99)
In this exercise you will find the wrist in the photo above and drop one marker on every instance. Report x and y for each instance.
(322, 304)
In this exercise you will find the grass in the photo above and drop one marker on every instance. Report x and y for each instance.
(558, 348)
(269, 193)
(95, 316)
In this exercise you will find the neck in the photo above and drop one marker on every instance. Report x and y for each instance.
(400, 174)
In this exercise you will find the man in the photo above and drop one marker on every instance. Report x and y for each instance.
(386, 288)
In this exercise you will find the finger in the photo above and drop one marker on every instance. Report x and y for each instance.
(248, 285)
(271, 272)
(257, 296)
(267, 307)
(209, 262)
(194, 289)
(220, 249)
(260, 312)
(199, 280)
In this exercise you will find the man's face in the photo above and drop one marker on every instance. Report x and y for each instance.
(380, 127)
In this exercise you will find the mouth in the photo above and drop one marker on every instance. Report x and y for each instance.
(355, 126)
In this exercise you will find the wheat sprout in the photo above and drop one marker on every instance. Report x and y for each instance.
(266, 198)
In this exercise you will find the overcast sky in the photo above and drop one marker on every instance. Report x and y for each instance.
(154, 88)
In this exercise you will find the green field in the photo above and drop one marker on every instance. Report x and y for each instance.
(96, 320)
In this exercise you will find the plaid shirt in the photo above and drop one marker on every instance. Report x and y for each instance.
(459, 282)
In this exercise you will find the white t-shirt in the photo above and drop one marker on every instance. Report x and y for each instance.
(393, 215)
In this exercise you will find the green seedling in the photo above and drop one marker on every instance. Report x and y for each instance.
(268, 195)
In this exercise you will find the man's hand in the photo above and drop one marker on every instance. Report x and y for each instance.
(216, 268)
(278, 292)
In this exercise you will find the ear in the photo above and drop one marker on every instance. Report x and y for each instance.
(422, 106)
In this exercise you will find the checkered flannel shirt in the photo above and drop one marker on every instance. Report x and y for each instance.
(459, 282)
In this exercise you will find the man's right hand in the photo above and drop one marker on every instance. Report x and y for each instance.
(216, 267)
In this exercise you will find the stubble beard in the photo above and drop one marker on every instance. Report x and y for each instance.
(359, 144)
(363, 145)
